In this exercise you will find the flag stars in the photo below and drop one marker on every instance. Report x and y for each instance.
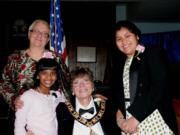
(57, 34)
(52, 15)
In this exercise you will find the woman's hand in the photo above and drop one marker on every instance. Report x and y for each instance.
(29, 132)
(119, 118)
(18, 103)
(100, 96)
(130, 125)
(127, 125)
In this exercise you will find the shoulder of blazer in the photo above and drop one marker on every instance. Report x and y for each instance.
(61, 107)
(149, 52)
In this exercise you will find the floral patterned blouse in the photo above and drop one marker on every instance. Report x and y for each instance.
(18, 74)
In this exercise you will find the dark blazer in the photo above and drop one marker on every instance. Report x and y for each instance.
(149, 81)
(66, 120)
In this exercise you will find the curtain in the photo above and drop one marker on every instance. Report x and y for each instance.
(170, 41)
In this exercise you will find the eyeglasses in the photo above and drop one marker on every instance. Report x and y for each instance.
(79, 82)
(37, 32)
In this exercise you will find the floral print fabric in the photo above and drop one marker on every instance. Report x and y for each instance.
(18, 74)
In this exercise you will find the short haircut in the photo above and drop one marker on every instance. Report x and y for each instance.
(81, 71)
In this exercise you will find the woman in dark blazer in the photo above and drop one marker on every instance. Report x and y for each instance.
(140, 81)
(101, 120)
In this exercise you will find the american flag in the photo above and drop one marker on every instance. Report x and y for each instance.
(57, 40)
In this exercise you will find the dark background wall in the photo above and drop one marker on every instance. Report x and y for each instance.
(85, 24)
(10, 12)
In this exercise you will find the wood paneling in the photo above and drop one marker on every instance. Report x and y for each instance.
(97, 67)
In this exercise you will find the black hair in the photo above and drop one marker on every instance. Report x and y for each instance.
(129, 25)
(46, 64)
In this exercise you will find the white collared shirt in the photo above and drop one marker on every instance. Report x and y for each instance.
(80, 129)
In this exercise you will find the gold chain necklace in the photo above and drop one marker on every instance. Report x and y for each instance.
(84, 121)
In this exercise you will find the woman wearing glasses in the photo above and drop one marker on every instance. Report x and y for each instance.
(19, 70)
(84, 114)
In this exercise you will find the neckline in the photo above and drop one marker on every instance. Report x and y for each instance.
(79, 105)
(28, 52)
(40, 91)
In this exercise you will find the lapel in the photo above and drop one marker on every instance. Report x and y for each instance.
(103, 120)
(96, 105)
(134, 74)
(136, 62)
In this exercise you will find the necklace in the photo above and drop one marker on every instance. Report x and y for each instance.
(92, 121)
(40, 91)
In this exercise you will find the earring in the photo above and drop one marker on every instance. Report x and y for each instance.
(92, 89)
(73, 93)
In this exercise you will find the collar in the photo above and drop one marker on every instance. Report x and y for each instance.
(78, 104)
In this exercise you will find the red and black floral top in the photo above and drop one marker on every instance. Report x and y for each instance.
(18, 74)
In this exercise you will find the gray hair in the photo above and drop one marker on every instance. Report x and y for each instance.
(39, 21)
